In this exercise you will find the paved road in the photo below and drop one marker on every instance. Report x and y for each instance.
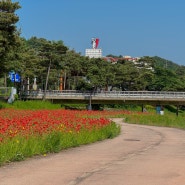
(140, 155)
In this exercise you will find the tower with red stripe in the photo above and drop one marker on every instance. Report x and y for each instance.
(94, 52)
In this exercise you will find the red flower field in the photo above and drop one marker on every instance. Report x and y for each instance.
(29, 122)
(25, 133)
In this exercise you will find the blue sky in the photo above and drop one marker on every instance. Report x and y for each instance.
(124, 27)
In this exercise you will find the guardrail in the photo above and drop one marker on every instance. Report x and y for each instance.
(109, 95)
(102, 97)
(163, 94)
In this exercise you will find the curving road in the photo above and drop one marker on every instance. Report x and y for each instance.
(140, 155)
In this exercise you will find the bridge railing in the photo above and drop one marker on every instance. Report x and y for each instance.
(143, 94)
(107, 94)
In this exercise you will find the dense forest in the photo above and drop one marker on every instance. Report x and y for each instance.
(52, 63)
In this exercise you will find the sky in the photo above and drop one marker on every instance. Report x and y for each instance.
(125, 27)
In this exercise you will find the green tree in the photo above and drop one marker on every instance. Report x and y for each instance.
(50, 54)
(144, 79)
(126, 76)
(72, 69)
(163, 63)
(145, 62)
(166, 80)
(99, 73)
(9, 36)
(181, 73)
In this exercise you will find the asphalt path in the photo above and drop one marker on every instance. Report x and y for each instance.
(139, 155)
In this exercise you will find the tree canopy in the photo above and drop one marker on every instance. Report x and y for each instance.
(52, 61)
(9, 36)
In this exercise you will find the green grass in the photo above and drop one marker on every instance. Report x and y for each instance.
(167, 120)
(19, 148)
(39, 104)
(30, 105)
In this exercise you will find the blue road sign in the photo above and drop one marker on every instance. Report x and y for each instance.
(14, 77)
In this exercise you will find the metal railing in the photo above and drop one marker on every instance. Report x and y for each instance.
(110, 94)
(102, 97)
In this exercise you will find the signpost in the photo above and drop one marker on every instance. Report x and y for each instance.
(14, 77)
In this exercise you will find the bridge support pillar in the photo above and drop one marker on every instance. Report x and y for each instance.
(89, 106)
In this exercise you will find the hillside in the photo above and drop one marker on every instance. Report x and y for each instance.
(163, 63)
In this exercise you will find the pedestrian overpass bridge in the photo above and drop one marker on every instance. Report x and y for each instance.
(110, 97)
(102, 97)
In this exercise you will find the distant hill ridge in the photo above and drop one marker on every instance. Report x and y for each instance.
(163, 63)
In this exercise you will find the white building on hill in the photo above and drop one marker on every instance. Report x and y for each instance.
(94, 52)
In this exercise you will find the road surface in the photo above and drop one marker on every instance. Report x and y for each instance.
(140, 155)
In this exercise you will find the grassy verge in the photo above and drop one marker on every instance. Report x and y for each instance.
(19, 148)
(166, 120)
(30, 105)
(39, 104)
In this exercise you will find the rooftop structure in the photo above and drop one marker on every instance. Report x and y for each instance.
(94, 52)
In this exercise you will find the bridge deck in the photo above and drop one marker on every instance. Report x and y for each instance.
(111, 97)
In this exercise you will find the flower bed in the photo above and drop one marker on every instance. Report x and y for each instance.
(24, 133)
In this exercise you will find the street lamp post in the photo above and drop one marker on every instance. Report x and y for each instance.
(90, 102)
(90, 99)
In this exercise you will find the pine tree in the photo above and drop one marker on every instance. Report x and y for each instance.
(9, 36)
